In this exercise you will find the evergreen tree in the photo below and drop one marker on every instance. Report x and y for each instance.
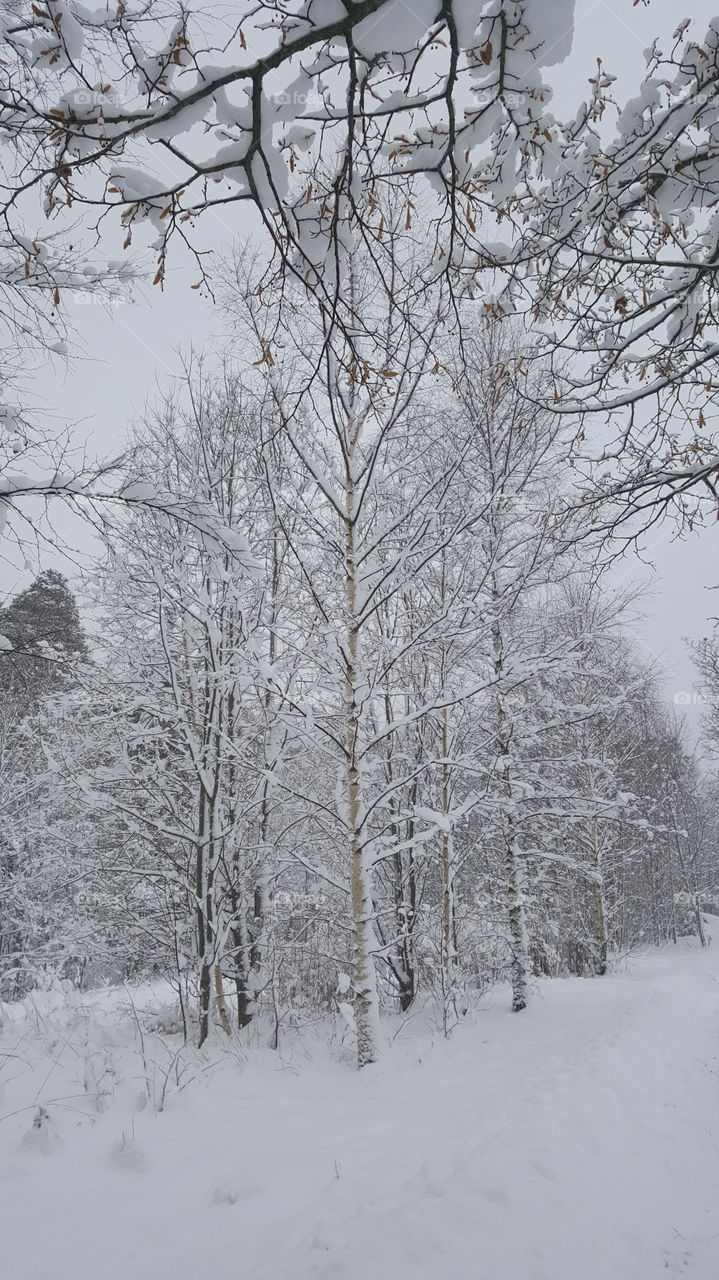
(42, 625)
(42, 629)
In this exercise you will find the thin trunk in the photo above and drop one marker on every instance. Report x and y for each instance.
(220, 1002)
(407, 919)
(404, 892)
(517, 924)
(201, 924)
(599, 907)
(449, 950)
(599, 914)
(366, 1004)
(518, 942)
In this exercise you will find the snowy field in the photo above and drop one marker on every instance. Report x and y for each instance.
(576, 1141)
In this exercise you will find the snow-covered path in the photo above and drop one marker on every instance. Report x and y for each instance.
(576, 1141)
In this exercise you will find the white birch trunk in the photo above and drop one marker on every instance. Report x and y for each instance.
(366, 1004)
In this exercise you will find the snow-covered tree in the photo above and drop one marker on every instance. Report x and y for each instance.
(42, 650)
(601, 234)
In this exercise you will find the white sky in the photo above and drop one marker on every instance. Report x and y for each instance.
(130, 349)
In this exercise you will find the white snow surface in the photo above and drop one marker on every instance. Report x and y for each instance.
(578, 1140)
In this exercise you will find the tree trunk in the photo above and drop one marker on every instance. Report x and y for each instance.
(449, 950)
(366, 1003)
(601, 941)
(204, 1004)
(514, 886)
(220, 1002)
(517, 924)
(599, 906)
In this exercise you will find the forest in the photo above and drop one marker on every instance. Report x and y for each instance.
(398, 747)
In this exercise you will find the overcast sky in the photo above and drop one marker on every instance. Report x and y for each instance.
(130, 350)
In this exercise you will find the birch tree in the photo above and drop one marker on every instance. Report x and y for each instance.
(373, 519)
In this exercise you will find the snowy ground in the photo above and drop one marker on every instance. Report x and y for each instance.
(576, 1141)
